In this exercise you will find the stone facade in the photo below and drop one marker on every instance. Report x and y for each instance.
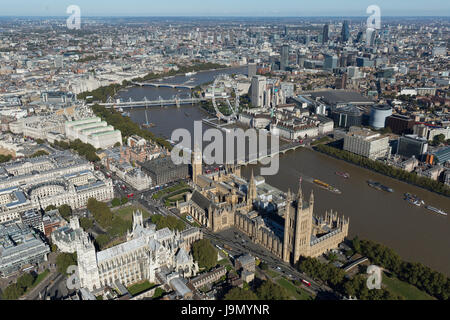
(146, 252)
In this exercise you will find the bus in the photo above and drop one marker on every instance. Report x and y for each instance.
(306, 283)
(131, 195)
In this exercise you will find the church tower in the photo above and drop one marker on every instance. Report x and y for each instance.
(197, 163)
(297, 227)
(252, 194)
(288, 228)
(87, 264)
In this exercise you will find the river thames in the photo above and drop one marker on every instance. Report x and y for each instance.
(416, 233)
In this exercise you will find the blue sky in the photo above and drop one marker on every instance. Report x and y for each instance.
(225, 7)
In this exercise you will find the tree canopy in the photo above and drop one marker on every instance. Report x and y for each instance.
(240, 294)
(101, 212)
(65, 211)
(204, 253)
(272, 291)
(170, 222)
(65, 260)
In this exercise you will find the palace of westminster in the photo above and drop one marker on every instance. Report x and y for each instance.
(222, 200)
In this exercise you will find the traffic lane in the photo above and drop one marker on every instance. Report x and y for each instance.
(269, 258)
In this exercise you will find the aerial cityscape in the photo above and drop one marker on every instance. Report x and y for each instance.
(225, 155)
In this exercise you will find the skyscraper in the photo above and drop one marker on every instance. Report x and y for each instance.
(345, 34)
(325, 36)
(331, 62)
(371, 38)
(251, 70)
(258, 88)
(284, 60)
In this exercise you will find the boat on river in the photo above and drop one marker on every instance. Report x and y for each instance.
(436, 210)
(379, 186)
(326, 186)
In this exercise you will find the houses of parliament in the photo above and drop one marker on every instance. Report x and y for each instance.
(223, 200)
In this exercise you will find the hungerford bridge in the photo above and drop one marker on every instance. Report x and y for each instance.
(174, 101)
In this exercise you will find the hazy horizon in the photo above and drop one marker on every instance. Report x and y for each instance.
(230, 8)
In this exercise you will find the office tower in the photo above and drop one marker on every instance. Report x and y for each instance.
(359, 37)
(284, 60)
(372, 37)
(345, 34)
(325, 33)
(331, 62)
(251, 70)
(258, 88)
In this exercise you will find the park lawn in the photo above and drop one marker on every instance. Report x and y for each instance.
(126, 213)
(140, 287)
(226, 263)
(223, 262)
(170, 190)
(272, 274)
(293, 290)
(406, 290)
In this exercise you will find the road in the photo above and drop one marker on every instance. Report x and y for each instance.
(42, 288)
(241, 244)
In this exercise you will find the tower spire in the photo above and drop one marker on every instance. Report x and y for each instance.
(300, 194)
(289, 195)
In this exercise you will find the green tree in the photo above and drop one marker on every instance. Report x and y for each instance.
(439, 139)
(115, 202)
(102, 240)
(13, 292)
(101, 212)
(86, 223)
(264, 266)
(65, 211)
(204, 253)
(39, 153)
(25, 281)
(4, 158)
(240, 294)
(50, 208)
(170, 222)
(65, 260)
(124, 200)
(271, 291)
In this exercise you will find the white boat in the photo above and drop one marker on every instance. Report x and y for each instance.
(439, 211)
(190, 74)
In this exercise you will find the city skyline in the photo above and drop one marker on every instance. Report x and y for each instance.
(233, 8)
